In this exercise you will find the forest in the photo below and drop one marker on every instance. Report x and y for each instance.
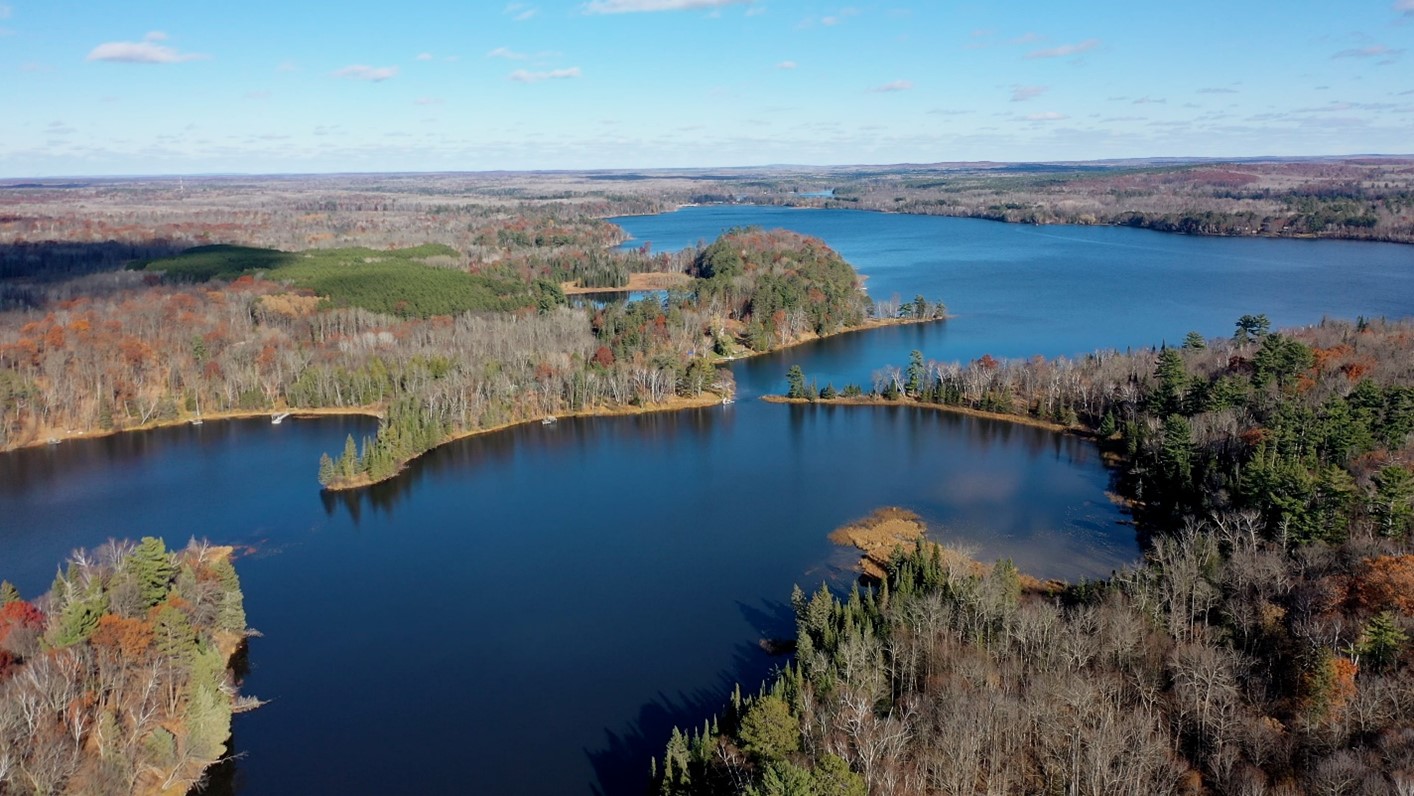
(226, 330)
(1261, 646)
(118, 680)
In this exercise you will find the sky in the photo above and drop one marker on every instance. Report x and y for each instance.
(127, 87)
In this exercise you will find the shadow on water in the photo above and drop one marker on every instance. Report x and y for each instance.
(621, 766)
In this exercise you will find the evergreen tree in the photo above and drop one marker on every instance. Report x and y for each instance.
(795, 378)
(916, 372)
(348, 461)
(1394, 501)
(79, 616)
(151, 567)
(768, 730)
(8, 593)
(1382, 641)
(1194, 341)
(1172, 376)
(1176, 456)
(326, 469)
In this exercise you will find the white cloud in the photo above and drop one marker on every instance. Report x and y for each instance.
(634, 6)
(526, 76)
(507, 53)
(1405, 6)
(520, 12)
(897, 85)
(424, 56)
(1065, 49)
(147, 51)
(1024, 93)
(1217, 91)
(372, 74)
(786, 65)
(1048, 116)
(1369, 51)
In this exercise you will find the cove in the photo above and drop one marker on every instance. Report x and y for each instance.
(530, 611)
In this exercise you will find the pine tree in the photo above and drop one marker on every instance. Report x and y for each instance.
(326, 470)
(8, 593)
(915, 374)
(1382, 641)
(795, 377)
(152, 568)
(348, 462)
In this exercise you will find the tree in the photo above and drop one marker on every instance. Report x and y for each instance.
(1194, 341)
(1172, 376)
(795, 378)
(916, 372)
(8, 593)
(1251, 326)
(326, 469)
(1382, 641)
(768, 730)
(1393, 503)
(151, 567)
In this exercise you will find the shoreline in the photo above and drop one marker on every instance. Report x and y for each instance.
(983, 414)
(233, 414)
(675, 404)
(891, 212)
(868, 325)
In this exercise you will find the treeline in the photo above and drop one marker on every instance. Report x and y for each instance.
(1310, 428)
(1226, 663)
(641, 353)
(116, 681)
(1369, 199)
(1262, 647)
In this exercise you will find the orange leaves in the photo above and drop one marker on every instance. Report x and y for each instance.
(1386, 584)
(135, 352)
(1354, 371)
(19, 614)
(130, 639)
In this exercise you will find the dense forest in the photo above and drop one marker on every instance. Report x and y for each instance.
(1261, 647)
(753, 291)
(226, 330)
(117, 679)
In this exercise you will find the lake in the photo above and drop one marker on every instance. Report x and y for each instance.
(531, 611)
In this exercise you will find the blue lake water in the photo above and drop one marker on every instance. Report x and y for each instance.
(531, 611)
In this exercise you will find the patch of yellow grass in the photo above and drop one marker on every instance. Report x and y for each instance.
(650, 281)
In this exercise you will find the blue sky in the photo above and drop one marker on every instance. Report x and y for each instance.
(167, 87)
